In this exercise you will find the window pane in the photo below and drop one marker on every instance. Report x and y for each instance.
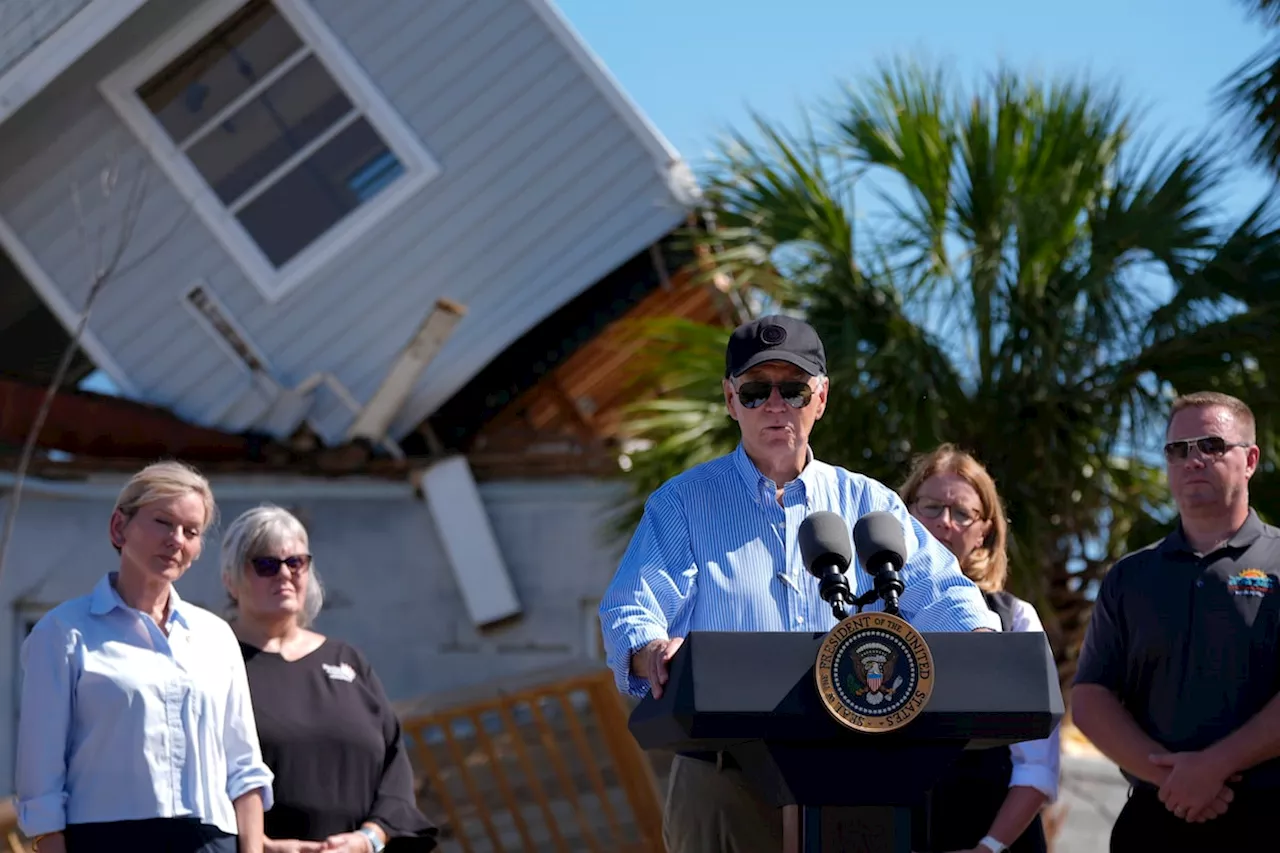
(218, 69)
(270, 129)
(353, 166)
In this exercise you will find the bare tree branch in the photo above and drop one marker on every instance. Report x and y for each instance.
(100, 271)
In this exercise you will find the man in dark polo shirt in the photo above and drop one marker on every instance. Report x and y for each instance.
(1179, 674)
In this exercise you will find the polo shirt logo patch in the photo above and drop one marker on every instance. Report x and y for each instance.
(341, 672)
(1252, 582)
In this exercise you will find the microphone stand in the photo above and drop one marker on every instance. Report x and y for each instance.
(887, 587)
(833, 587)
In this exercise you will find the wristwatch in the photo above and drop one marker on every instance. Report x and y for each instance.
(992, 844)
(375, 843)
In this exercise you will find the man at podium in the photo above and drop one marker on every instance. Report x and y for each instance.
(717, 550)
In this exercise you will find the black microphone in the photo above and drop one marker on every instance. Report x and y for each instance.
(827, 552)
(882, 548)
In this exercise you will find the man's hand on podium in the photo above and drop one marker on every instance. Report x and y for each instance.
(650, 663)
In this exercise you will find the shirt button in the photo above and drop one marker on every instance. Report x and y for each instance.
(1200, 582)
(799, 620)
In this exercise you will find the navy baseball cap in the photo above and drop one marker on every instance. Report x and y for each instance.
(775, 338)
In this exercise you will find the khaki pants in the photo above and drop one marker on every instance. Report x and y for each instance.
(711, 810)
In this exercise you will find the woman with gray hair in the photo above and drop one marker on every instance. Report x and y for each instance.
(342, 777)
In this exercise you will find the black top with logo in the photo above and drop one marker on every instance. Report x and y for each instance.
(1187, 641)
(331, 738)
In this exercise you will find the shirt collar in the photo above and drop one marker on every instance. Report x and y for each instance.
(764, 488)
(1248, 533)
(104, 599)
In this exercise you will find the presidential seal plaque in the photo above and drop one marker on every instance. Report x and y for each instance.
(874, 672)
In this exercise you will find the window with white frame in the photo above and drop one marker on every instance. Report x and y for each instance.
(273, 133)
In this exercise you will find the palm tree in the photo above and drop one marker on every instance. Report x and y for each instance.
(1008, 301)
(1251, 95)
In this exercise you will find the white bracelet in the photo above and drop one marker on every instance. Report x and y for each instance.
(375, 843)
(993, 844)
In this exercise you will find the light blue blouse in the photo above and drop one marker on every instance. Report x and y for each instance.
(120, 722)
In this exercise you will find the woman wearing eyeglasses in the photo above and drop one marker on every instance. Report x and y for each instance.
(991, 799)
(343, 781)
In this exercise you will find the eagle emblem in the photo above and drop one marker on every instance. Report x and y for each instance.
(872, 679)
(874, 673)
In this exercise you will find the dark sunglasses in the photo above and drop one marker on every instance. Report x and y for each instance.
(269, 567)
(1208, 445)
(795, 394)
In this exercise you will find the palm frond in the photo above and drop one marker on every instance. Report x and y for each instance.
(1250, 99)
(1243, 269)
(1266, 12)
(902, 120)
(778, 208)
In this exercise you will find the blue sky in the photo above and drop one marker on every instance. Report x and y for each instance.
(696, 66)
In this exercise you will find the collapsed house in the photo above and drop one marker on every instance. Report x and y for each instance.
(374, 262)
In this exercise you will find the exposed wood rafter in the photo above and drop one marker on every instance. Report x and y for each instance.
(547, 430)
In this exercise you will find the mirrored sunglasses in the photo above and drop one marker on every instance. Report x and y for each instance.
(1208, 445)
(269, 567)
(795, 394)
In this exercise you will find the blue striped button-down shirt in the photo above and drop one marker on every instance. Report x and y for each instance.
(716, 552)
(121, 722)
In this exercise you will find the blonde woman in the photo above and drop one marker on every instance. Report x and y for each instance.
(343, 781)
(991, 800)
(136, 730)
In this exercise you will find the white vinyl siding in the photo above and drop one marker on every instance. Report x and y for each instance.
(545, 188)
(26, 24)
(273, 133)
